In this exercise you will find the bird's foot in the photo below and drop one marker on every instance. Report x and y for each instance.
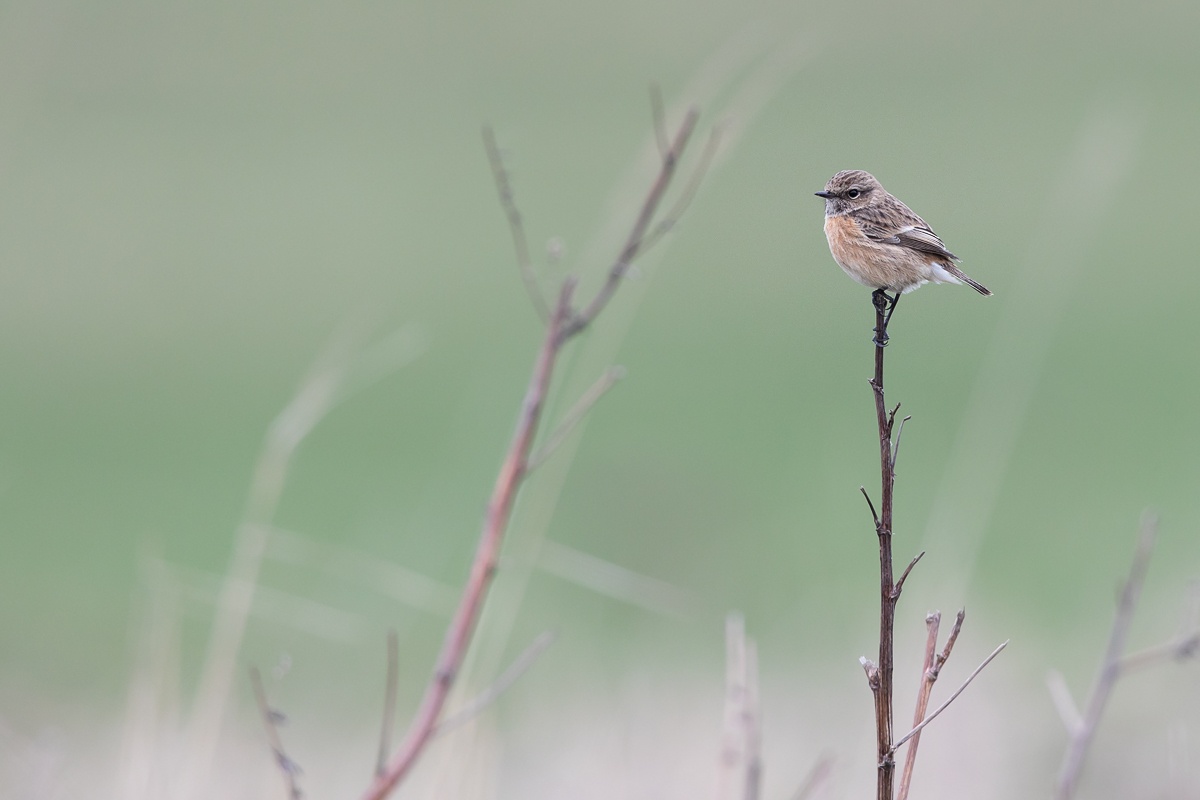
(881, 301)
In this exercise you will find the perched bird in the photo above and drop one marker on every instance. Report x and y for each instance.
(879, 242)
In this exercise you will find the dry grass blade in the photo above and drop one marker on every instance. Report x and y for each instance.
(516, 225)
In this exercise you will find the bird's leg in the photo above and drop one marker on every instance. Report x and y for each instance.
(891, 310)
(884, 306)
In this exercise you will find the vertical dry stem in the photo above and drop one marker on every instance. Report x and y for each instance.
(881, 681)
(740, 768)
(933, 622)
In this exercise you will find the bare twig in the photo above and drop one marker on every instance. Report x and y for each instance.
(1184, 645)
(633, 243)
(659, 116)
(932, 622)
(954, 632)
(896, 442)
(690, 189)
(1110, 666)
(516, 669)
(572, 418)
(740, 765)
(929, 675)
(562, 324)
(870, 505)
(908, 569)
(389, 701)
(952, 697)
(1179, 648)
(515, 225)
(271, 721)
(483, 567)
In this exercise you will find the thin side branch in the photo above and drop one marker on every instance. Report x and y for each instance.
(870, 505)
(271, 720)
(659, 117)
(515, 224)
(896, 444)
(934, 662)
(1184, 645)
(573, 417)
(952, 698)
(954, 632)
(1179, 648)
(516, 669)
(633, 243)
(690, 189)
(908, 569)
(891, 420)
(1110, 666)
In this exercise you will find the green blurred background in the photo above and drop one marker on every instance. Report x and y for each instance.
(196, 199)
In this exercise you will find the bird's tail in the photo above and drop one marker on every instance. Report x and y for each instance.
(974, 284)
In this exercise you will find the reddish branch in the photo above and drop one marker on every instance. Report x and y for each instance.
(458, 636)
(637, 235)
(563, 323)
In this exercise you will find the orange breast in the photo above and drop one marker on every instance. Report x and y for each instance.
(871, 263)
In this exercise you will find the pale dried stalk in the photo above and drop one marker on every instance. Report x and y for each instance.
(1110, 666)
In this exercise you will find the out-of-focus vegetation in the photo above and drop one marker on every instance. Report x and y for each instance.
(195, 199)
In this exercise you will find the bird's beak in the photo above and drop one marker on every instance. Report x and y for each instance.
(826, 195)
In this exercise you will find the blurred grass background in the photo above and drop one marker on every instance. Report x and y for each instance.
(195, 198)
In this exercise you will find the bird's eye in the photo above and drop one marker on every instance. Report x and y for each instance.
(853, 193)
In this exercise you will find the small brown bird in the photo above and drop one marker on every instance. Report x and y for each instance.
(881, 243)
